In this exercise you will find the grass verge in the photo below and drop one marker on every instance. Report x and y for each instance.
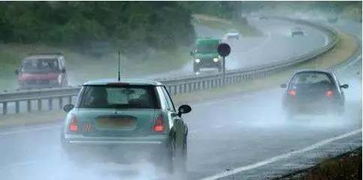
(339, 54)
(347, 166)
(225, 25)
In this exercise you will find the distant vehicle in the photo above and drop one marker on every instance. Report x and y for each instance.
(42, 71)
(313, 92)
(205, 54)
(231, 36)
(124, 121)
(297, 31)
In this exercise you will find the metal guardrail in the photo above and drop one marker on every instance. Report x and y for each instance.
(34, 99)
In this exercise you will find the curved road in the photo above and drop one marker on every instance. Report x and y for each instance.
(275, 45)
(236, 131)
(241, 130)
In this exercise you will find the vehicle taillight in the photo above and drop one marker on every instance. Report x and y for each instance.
(329, 93)
(159, 124)
(73, 125)
(292, 92)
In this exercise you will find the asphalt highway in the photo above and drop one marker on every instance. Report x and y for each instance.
(238, 130)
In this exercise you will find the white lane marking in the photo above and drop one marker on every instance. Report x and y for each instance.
(28, 130)
(279, 157)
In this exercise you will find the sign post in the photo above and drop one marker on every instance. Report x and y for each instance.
(223, 50)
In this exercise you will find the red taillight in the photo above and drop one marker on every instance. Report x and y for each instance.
(292, 92)
(329, 93)
(73, 125)
(159, 124)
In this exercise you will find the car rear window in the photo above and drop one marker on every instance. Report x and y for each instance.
(125, 96)
(311, 78)
(40, 65)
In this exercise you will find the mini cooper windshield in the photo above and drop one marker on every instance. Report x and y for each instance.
(126, 96)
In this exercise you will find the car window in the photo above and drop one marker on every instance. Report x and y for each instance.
(169, 102)
(311, 79)
(127, 96)
(40, 65)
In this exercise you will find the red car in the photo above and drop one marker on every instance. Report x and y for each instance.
(42, 71)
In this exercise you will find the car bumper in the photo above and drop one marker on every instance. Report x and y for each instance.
(207, 64)
(118, 149)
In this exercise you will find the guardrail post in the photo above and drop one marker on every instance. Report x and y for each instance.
(69, 99)
(5, 108)
(29, 105)
(39, 104)
(175, 89)
(50, 104)
(17, 109)
(60, 102)
(180, 89)
(169, 89)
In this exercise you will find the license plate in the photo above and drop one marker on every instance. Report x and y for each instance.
(116, 123)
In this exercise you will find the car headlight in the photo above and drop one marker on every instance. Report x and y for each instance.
(215, 59)
(197, 60)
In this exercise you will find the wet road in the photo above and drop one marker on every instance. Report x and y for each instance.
(235, 131)
(226, 133)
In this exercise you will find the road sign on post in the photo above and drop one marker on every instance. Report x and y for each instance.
(223, 50)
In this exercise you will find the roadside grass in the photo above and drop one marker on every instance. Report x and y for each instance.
(347, 166)
(339, 54)
(80, 65)
(225, 25)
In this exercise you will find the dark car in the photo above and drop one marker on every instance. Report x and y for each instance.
(125, 121)
(42, 71)
(205, 55)
(313, 92)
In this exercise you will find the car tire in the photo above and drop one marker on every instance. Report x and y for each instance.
(340, 109)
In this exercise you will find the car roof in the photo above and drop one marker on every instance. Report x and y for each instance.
(123, 81)
(312, 71)
(42, 56)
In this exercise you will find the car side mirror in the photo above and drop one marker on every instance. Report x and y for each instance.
(283, 85)
(16, 71)
(345, 86)
(68, 107)
(183, 109)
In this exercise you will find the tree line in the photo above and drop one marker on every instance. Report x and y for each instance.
(130, 26)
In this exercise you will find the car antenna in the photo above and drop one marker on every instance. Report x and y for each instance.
(119, 61)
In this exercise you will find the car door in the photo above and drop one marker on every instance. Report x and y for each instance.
(178, 129)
